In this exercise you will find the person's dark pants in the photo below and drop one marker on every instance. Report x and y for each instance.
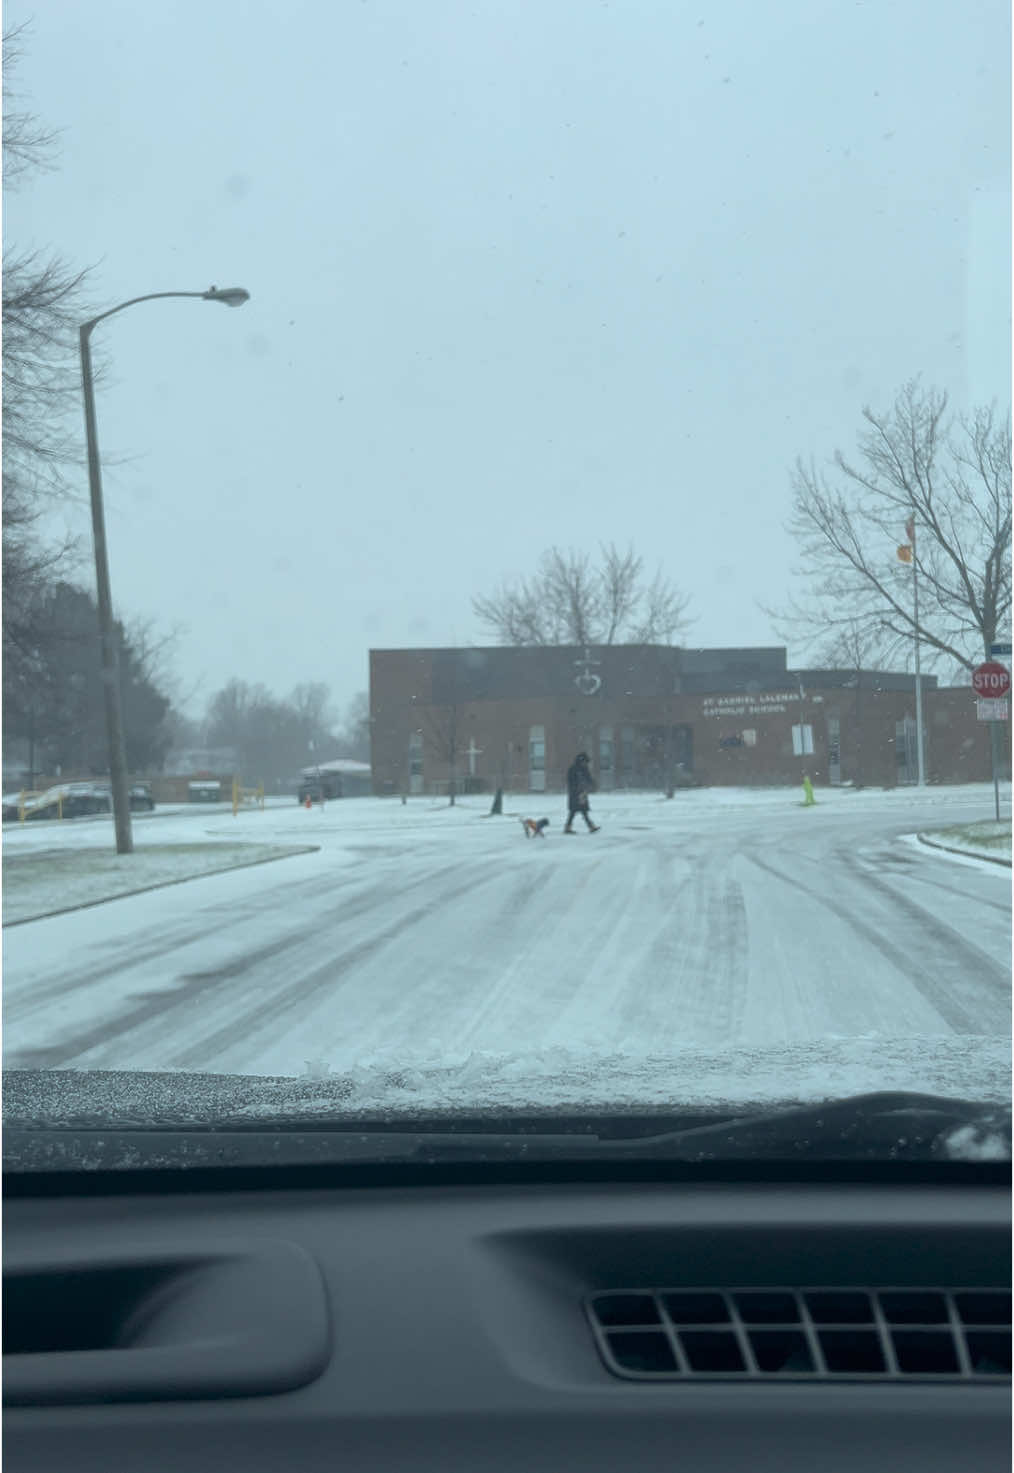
(581, 808)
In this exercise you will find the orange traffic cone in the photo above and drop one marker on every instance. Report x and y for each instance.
(309, 802)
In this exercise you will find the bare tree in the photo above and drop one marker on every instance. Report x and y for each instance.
(154, 650)
(29, 567)
(311, 703)
(852, 647)
(229, 713)
(184, 731)
(354, 736)
(858, 648)
(570, 600)
(440, 725)
(946, 478)
(52, 689)
(42, 305)
(28, 146)
(273, 737)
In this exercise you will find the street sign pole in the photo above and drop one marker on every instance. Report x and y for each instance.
(1002, 652)
(920, 751)
(992, 680)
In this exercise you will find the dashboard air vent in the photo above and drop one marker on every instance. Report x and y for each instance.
(806, 1333)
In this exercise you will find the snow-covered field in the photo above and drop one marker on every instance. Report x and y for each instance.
(726, 945)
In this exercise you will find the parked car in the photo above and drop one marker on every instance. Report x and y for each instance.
(74, 800)
(141, 800)
(80, 799)
(139, 797)
(71, 800)
(317, 789)
(207, 790)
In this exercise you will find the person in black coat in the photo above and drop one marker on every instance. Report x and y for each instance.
(579, 784)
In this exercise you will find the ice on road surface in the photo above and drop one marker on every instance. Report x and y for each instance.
(719, 946)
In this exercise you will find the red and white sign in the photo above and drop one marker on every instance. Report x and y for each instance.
(991, 679)
(989, 710)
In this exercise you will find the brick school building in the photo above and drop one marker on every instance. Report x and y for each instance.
(652, 716)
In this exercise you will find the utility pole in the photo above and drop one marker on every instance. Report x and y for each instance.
(107, 624)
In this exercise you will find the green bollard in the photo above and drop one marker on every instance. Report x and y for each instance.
(808, 799)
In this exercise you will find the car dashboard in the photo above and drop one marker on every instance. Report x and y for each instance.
(508, 1318)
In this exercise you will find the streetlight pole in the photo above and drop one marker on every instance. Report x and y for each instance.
(232, 297)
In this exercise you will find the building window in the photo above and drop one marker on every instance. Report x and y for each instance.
(905, 752)
(627, 751)
(537, 759)
(834, 750)
(606, 756)
(415, 762)
(802, 741)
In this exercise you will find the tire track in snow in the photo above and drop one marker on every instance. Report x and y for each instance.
(578, 977)
(693, 979)
(291, 1006)
(500, 983)
(970, 960)
(156, 1010)
(128, 953)
(218, 918)
(509, 1000)
(916, 869)
(478, 988)
(956, 957)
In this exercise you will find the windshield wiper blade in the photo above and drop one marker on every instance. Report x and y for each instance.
(876, 1127)
(882, 1126)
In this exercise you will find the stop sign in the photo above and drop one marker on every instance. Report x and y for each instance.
(991, 679)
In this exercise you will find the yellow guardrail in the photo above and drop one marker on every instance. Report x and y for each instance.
(246, 797)
(27, 794)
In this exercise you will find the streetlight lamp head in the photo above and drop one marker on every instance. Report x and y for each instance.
(232, 296)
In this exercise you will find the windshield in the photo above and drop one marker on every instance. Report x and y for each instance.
(506, 564)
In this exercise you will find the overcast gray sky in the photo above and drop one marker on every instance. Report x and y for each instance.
(522, 272)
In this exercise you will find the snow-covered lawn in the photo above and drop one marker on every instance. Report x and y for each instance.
(987, 839)
(43, 882)
(53, 865)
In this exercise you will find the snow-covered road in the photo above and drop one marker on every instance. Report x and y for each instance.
(717, 926)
